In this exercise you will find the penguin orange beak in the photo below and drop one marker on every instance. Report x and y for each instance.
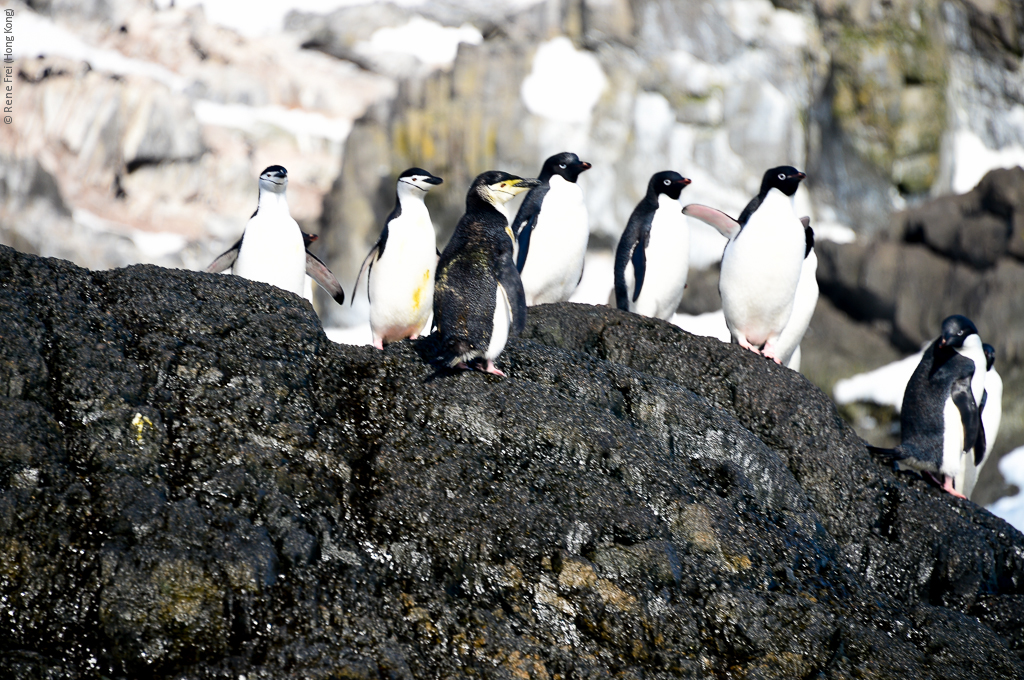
(584, 166)
(798, 175)
(684, 181)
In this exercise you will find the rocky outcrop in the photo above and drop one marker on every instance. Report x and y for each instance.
(956, 254)
(195, 482)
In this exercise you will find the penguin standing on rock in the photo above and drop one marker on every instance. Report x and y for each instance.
(400, 276)
(478, 295)
(273, 248)
(762, 261)
(940, 420)
(804, 302)
(652, 259)
(991, 416)
(552, 231)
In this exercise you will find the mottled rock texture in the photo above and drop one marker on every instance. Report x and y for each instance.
(196, 483)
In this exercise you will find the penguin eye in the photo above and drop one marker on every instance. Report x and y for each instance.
(667, 182)
(782, 176)
(960, 333)
(562, 166)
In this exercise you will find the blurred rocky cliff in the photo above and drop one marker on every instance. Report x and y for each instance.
(141, 126)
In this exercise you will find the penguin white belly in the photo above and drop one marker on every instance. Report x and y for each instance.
(990, 419)
(760, 271)
(401, 282)
(975, 351)
(804, 302)
(558, 244)
(273, 252)
(668, 257)
(500, 325)
(953, 458)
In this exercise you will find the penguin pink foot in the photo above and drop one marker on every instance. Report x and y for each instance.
(948, 488)
(378, 343)
(768, 351)
(492, 369)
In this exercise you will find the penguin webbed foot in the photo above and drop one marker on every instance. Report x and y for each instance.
(946, 485)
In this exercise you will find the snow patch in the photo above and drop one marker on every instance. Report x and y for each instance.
(351, 335)
(564, 84)
(598, 279)
(972, 159)
(1012, 508)
(710, 324)
(428, 41)
(251, 118)
(833, 231)
(883, 386)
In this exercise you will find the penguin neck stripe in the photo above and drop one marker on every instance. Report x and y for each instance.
(413, 185)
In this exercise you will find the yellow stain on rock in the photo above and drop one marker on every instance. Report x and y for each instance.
(139, 422)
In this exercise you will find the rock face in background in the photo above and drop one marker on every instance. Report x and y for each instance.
(195, 482)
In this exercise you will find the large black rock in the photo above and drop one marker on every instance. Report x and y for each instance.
(196, 483)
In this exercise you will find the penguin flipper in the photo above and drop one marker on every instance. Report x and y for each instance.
(726, 226)
(225, 259)
(322, 275)
(639, 259)
(524, 241)
(806, 221)
(970, 419)
(375, 250)
(980, 445)
(508, 279)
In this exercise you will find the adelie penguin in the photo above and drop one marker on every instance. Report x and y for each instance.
(991, 416)
(273, 248)
(478, 295)
(652, 258)
(762, 261)
(804, 303)
(400, 266)
(552, 231)
(940, 419)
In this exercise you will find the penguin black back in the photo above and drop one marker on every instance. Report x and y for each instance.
(637, 236)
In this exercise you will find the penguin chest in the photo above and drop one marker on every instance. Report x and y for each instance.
(558, 244)
(500, 324)
(401, 281)
(954, 459)
(975, 351)
(760, 270)
(668, 257)
(273, 252)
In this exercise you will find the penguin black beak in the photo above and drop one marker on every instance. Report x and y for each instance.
(434, 180)
(527, 183)
(797, 176)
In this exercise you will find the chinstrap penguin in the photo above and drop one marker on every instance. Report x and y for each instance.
(652, 258)
(939, 420)
(552, 231)
(478, 295)
(272, 248)
(762, 261)
(804, 303)
(400, 266)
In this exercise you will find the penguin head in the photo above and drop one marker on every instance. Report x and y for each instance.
(566, 165)
(955, 330)
(990, 356)
(417, 181)
(669, 182)
(785, 178)
(497, 187)
(274, 179)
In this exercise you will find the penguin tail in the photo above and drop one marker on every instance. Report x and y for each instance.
(890, 455)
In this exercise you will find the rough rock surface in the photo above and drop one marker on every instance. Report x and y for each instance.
(195, 482)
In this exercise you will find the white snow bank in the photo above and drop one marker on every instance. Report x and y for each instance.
(711, 324)
(598, 279)
(972, 159)
(564, 84)
(251, 118)
(883, 386)
(428, 41)
(351, 335)
(38, 36)
(1012, 508)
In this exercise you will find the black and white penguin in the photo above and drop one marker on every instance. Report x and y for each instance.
(653, 256)
(804, 303)
(762, 261)
(273, 248)
(478, 295)
(940, 419)
(991, 416)
(400, 276)
(552, 231)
